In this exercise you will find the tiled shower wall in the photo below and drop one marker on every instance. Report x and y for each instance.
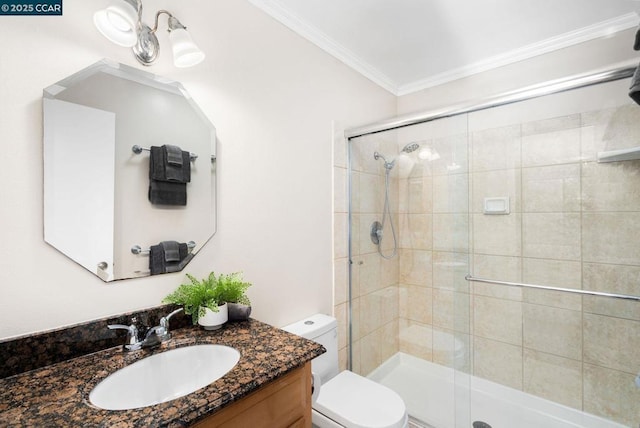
(573, 223)
(375, 302)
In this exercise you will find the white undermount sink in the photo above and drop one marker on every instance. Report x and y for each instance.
(164, 377)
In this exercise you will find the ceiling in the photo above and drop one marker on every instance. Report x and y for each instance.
(409, 45)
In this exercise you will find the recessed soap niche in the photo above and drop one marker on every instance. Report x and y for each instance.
(496, 206)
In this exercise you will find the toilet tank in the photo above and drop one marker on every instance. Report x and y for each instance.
(322, 329)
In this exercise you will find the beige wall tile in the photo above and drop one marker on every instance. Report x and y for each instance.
(612, 342)
(451, 349)
(343, 358)
(370, 353)
(498, 319)
(551, 188)
(451, 232)
(355, 235)
(371, 193)
(370, 278)
(389, 271)
(553, 330)
(355, 275)
(377, 309)
(363, 222)
(499, 235)
(611, 394)
(550, 125)
(356, 360)
(355, 192)
(606, 238)
(340, 222)
(451, 310)
(340, 312)
(416, 303)
(340, 281)
(611, 186)
(555, 273)
(554, 378)
(497, 148)
(612, 279)
(551, 148)
(416, 231)
(355, 318)
(498, 362)
(389, 340)
(416, 339)
(339, 190)
(451, 193)
(501, 268)
(415, 195)
(453, 151)
(551, 235)
(449, 271)
(416, 267)
(493, 184)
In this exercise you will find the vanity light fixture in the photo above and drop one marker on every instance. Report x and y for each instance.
(121, 22)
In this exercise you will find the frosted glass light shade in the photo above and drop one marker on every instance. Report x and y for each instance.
(185, 52)
(118, 23)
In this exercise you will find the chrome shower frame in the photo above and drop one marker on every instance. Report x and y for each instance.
(511, 97)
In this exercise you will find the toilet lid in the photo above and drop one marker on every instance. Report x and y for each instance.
(357, 402)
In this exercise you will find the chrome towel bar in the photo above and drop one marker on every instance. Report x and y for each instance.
(137, 249)
(546, 287)
(138, 149)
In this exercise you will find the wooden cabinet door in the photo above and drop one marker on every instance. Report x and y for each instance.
(282, 403)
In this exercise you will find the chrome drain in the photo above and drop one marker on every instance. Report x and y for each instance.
(480, 424)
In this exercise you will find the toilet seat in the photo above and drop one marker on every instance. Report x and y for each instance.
(357, 402)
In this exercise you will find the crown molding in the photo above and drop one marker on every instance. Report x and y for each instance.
(602, 29)
(320, 39)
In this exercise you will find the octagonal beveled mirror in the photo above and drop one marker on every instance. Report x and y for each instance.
(97, 208)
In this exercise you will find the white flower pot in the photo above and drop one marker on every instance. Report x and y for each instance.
(214, 320)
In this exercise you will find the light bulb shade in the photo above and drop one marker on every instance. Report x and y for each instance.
(185, 52)
(118, 23)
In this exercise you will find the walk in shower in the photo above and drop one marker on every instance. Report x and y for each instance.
(458, 221)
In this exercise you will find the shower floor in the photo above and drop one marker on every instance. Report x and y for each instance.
(439, 397)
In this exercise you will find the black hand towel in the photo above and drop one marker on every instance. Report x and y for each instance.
(171, 251)
(165, 193)
(157, 265)
(158, 257)
(164, 166)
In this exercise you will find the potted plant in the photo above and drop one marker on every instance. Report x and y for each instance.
(207, 300)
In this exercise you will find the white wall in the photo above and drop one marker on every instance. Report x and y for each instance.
(582, 58)
(272, 97)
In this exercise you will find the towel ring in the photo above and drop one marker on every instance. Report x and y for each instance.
(138, 149)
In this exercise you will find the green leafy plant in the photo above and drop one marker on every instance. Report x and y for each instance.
(209, 293)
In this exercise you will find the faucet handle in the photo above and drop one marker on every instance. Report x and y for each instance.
(133, 342)
(163, 329)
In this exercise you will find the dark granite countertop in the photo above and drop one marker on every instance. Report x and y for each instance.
(57, 395)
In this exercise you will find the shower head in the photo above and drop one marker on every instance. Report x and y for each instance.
(387, 164)
(411, 147)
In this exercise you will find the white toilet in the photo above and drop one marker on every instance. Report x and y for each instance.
(346, 399)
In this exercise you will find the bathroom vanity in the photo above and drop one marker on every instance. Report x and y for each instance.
(270, 386)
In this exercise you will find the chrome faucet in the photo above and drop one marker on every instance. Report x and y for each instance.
(153, 337)
(133, 342)
(161, 331)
